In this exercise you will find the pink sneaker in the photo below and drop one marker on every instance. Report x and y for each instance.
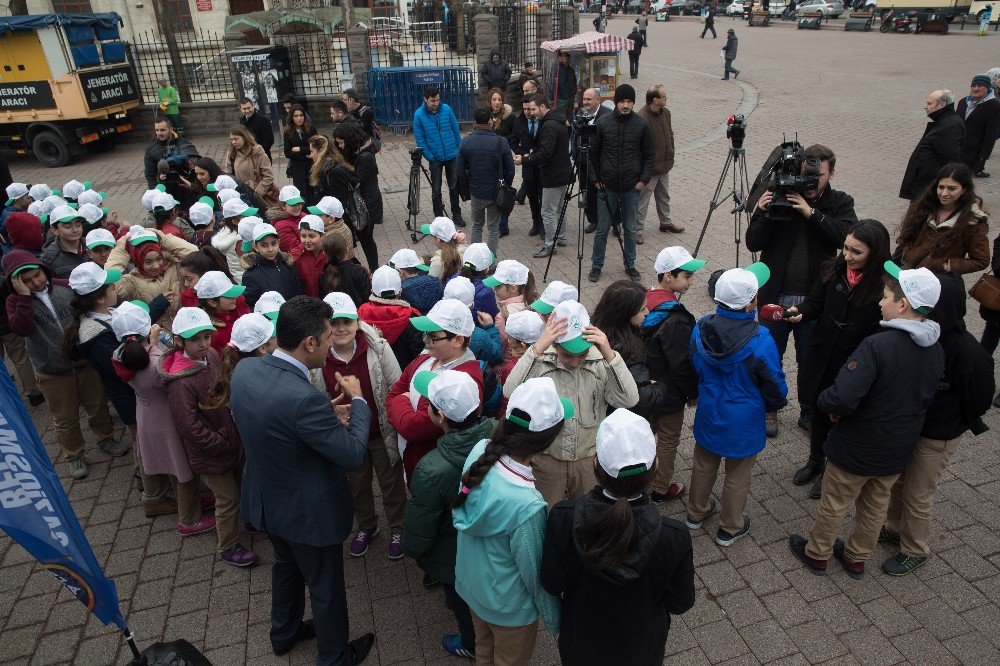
(206, 524)
(238, 556)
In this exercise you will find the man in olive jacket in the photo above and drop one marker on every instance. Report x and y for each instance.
(657, 115)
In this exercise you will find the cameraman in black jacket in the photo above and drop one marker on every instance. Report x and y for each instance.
(796, 250)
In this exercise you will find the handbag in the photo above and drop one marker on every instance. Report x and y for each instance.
(357, 208)
(986, 291)
(506, 194)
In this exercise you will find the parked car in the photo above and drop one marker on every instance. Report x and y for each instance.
(829, 8)
(734, 8)
(685, 7)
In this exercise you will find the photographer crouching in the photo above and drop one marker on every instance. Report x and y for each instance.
(797, 225)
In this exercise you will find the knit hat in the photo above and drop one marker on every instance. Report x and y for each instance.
(982, 80)
(624, 92)
(24, 231)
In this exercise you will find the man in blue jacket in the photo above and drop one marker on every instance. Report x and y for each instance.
(436, 132)
(480, 159)
(295, 481)
(739, 379)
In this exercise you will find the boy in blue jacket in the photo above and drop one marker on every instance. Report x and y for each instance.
(739, 380)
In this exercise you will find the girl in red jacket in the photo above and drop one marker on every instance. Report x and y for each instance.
(196, 264)
(308, 255)
(290, 222)
(223, 301)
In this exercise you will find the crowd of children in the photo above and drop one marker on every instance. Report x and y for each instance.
(519, 445)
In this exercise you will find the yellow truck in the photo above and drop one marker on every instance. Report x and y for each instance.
(948, 8)
(66, 85)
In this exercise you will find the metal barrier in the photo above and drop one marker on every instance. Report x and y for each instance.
(397, 92)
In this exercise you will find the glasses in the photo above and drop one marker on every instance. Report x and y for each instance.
(429, 338)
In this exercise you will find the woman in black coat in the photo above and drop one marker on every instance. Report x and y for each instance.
(298, 129)
(359, 151)
(502, 123)
(844, 304)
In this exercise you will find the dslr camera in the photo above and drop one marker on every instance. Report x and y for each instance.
(791, 172)
(580, 122)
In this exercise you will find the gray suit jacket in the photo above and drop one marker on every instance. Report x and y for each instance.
(298, 452)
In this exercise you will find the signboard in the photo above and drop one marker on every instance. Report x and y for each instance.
(26, 95)
(108, 87)
(435, 78)
(203, 5)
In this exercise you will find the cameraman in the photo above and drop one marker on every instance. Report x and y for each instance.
(796, 251)
(168, 158)
(589, 112)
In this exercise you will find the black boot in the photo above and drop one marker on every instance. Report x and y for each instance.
(535, 230)
(817, 490)
(812, 469)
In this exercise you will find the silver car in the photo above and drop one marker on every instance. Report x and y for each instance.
(829, 8)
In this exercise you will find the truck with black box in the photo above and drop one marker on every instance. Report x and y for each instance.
(66, 85)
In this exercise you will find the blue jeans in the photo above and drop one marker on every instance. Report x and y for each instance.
(780, 330)
(451, 174)
(608, 202)
(730, 69)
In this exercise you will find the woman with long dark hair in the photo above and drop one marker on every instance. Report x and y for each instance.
(844, 305)
(612, 549)
(946, 229)
(502, 123)
(298, 129)
(359, 150)
(332, 175)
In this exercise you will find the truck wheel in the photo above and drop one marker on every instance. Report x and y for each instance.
(51, 150)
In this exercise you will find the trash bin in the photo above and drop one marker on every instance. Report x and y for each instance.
(263, 74)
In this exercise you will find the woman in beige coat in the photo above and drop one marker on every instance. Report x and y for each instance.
(247, 162)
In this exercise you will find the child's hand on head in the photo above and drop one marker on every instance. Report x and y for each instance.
(554, 328)
(21, 289)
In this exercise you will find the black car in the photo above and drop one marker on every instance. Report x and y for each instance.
(685, 7)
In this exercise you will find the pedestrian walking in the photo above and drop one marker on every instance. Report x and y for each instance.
(709, 21)
(729, 54)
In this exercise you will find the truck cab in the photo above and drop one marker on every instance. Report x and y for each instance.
(66, 85)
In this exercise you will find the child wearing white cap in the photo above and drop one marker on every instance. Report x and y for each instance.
(251, 335)
(614, 533)
(447, 259)
(18, 199)
(739, 380)
(420, 289)
(485, 342)
(514, 288)
(331, 211)
(390, 315)
(879, 402)
(99, 244)
(429, 535)
(578, 357)
(500, 518)
(555, 293)
(359, 349)
(224, 303)
(310, 260)
(287, 223)
(165, 217)
(476, 262)
(267, 268)
(227, 240)
(67, 251)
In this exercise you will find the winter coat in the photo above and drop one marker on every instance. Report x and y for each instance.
(982, 126)
(392, 320)
(637, 44)
(422, 292)
(662, 129)
(299, 163)
(622, 152)
(739, 380)
(940, 144)
(824, 236)
(136, 286)
(551, 154)
(366, 170)
(288, 232)
(96, 343)
(993, 316)
(159, 150)
(566, 85)
(429, 536)
(209, 436)
(480, 158)
(969, 253)
(309, 266)
(260, 128)
(437, 134)
(355, 281)
(500, 527)
(966, 390)
(365, 117)
(503, 123)
(731, 47)
(485, 299)
(60, 260)
(485, 344)
(666, 330)
(227, 241)
(841, 325)
(223, 322)
(495, 74)
(654, 581)
(881, 396)
(254, 169)
(592, 388)
(338, 181)
(260, 276)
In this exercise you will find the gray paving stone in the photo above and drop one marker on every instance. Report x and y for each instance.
(939, 619)
(816, 641)
(720, 577)
(789, 608)
(973, 648)
(55, 648)
(743, 608)
(869, 646)
(768, 641)
(969, 564)
(764, 578)
(986, 619)
(839, 614)
(722, 640)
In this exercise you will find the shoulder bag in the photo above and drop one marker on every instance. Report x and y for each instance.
(506, 194)
(987, 291)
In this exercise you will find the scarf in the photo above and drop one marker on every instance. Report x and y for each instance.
(137, 253)
(854, 277)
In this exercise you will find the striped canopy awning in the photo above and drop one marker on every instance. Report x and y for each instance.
(591, 42)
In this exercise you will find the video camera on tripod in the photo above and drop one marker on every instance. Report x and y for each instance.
(787, 169)
(581, 122)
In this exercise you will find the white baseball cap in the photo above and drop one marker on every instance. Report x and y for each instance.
(223, 182)
(130, 318)
(538, 398)
(63, 214)
(328, 206)
(672, 258)
(446, 315)
(88, 277)
(52, 202)
(525, 326)
(99, 238)
(214, 284)
(91, 213)
(509, 272)
(164, 200)
(236, 208)
(478, 256)
(227, 195)
(246, 228)
(37, 208)
(191, 321)
(38, 191)
(290, 195)
(577, 319)
(407, 258)
(626, 445)
(738, 286)
(139, 234)
(453, 393)
(147, 198)
(461, 289)
(555, 293)
(251, 331)
(342, 304)
(16, 191)
(313, 223)
(441, 228)
(269, 303)
(385, 280)
(91, 197)
(74, 189)
(262, 230)
(202, 212)
(920, 286)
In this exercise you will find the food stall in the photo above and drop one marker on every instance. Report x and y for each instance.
(594, 56)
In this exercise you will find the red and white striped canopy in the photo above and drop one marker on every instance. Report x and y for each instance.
(591, 42)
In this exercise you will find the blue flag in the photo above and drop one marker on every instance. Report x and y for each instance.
(36, 513)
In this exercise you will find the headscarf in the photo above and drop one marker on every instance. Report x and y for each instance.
(137, 253)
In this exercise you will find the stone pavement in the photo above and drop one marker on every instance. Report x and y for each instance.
(859, 93)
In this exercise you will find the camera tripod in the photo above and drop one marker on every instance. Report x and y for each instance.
(413, 194)
(736, 160)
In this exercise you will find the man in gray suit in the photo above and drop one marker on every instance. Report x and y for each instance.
(295, 483)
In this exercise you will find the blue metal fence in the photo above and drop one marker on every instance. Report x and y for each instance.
(396, 92)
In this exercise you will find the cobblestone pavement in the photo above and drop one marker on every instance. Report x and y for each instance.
(859, 93)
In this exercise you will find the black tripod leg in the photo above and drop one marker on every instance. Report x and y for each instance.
(559, 224)
(715, 201)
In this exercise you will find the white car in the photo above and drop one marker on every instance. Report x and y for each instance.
(734, 8)
(829, 8)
